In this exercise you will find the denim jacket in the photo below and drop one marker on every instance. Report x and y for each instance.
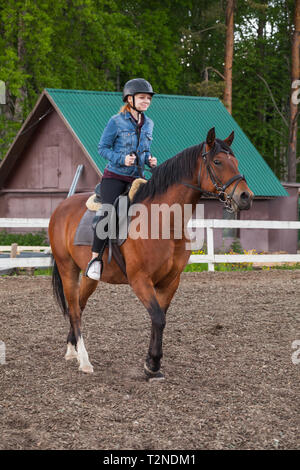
(120, 138)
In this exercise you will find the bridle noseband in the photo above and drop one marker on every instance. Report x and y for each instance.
(226, 199)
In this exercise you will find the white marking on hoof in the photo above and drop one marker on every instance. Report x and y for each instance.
(71, 352)
(83, 358)
(88, 369)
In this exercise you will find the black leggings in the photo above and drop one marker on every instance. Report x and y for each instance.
(110, 189)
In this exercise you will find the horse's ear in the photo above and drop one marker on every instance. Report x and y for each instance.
(229, 139)
(211, 137)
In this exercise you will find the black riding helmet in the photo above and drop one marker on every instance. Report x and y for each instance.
(137, 85)
(134, 86)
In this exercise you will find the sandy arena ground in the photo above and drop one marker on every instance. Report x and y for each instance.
(230, 379)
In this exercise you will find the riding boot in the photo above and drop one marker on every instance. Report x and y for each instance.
(94, 269)
(95, 266)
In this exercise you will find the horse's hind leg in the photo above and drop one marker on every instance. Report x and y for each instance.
(71, 346)
(86, 289)
(75, 344)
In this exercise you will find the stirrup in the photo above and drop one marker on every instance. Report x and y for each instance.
(93, 261)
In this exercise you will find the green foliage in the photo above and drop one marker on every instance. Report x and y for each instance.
(43, 272)
(8, 131)
(208, 88)
(236, 246)
(261, 85)
(196, 267)
(178, 45)
(25, 239)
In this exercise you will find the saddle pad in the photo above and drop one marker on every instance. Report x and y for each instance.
(84, 233)
(91, 203)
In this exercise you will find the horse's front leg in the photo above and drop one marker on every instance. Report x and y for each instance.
(155, 352)
(164, 294)
(144, 289)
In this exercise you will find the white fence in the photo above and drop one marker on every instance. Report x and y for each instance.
(211, 258)
(9, 263)
(209, 224)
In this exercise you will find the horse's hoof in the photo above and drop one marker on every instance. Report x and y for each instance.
(153, 376)
(87, 369)
(68, 357)
(159, 377)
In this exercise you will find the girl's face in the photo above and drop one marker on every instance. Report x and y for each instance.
(142, 101)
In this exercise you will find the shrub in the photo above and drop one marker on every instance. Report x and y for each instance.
(24, 239)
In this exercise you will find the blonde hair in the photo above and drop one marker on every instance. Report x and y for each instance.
(126, 107)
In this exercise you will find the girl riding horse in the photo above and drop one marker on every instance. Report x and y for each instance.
(126, 139)
(153, 265)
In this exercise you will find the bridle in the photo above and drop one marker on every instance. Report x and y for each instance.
(226, 199)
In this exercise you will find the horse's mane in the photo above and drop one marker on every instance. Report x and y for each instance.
(174, 170)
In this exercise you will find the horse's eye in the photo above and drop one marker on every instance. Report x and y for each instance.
(217, 162)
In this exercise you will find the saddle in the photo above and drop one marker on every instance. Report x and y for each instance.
(94, 202)
(84, 233)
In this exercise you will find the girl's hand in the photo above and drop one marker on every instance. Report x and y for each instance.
(130, 159)
(152, 161)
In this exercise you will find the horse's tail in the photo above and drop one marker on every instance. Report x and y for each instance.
(58, 289)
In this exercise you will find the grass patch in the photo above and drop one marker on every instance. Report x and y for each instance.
(196, 267)
(200, 267)
(43, 272)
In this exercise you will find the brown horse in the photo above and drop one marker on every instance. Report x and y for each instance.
(153, 266)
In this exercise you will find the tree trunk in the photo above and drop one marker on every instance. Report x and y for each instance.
(261, 112)
(229, 55)
(295, 75)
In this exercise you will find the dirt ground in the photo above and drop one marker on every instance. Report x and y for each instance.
(230, 379)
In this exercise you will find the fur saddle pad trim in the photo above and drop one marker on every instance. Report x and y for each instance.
(93, 205)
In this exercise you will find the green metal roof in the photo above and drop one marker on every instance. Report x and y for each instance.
(179, 122)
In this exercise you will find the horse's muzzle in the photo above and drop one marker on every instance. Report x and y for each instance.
(244, 200)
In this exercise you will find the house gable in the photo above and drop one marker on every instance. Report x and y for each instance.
(45, 154)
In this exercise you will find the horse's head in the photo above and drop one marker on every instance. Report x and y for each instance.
(218, 173)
